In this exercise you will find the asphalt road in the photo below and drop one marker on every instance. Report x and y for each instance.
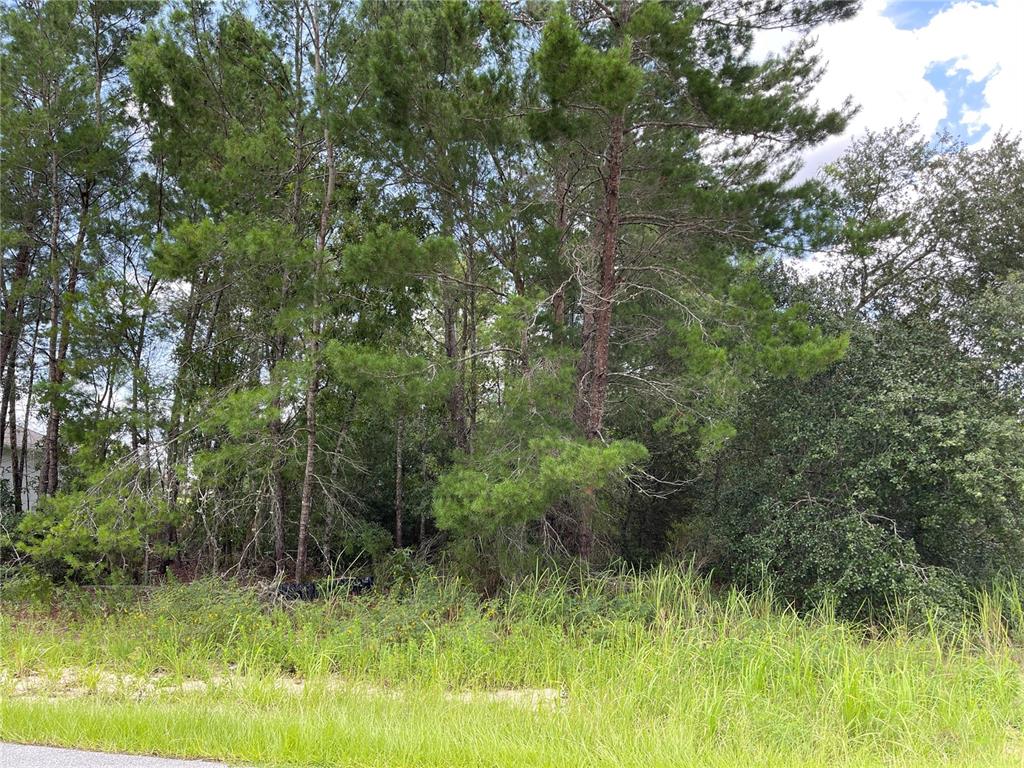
(23, 756)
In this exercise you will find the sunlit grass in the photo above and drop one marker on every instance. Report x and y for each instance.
(646, 670)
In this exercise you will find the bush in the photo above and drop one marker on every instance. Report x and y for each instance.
(888, 479)
(822, 555)
(99, 535)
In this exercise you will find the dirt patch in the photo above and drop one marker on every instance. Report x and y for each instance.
(524, 697)
(77, 683)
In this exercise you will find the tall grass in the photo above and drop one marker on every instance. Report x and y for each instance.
(654, 669)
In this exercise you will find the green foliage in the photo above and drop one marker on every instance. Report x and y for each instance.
(108, 531)
(471, 500)
(396, 258)
(884, 477)
(907, 211)
(382, 380)
(569, 70)
(847, 559)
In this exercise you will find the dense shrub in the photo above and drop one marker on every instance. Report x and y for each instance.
(889, 477)
(108, 532)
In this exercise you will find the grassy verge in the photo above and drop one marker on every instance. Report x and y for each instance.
(650, 671)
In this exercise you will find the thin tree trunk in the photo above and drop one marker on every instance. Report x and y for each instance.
(23, 458)
(12, 323)
(57, 368)
(175, 451)
(456, 395)
(561, 225)
(279, 343)
(151, 285)
(15, 464)
(277, 497)
(137, 351)
(310, 466)
(8, 395)
(50, 443)
(59, 310)
(14, 303)
(399, 496)
(473, 400)
(312, 345)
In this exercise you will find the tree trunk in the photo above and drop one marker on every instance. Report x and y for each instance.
(277, 501)
(598, 297)
(61, 339)
(175, 452)
(50, 443)
(279, 343)
(59, 311)
(312, 345)
(137, 350)
(8, 395)
(469, 350)
(399, 498)
(307, 479)
(456, 395)
(592, 375)
(22, 459)
(561, 225)
(10, 391)
(14, 302)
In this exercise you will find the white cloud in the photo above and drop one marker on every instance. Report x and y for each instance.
(985, 40)
(884, 68)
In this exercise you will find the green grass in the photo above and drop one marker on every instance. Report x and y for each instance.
(655, 670)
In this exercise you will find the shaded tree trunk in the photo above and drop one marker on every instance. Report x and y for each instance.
(597, 299)
(310, 465)
(14, 301)
(592, 371)
(561, 225)
(456, 395)
(22, 459)
(279, 343)
(312, 345)
(399, 497)
(10, 391)
(277, 500)
(175, 451)
(49, 445)
(60, 342)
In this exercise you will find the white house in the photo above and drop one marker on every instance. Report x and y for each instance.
(30, 479)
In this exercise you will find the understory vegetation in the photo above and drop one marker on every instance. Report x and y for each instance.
(616, 668)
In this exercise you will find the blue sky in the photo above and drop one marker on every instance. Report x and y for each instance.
(964, 95)
(964, 90)
(916, 14)
(953, 65)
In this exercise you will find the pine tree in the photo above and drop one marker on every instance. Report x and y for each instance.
(680, 148)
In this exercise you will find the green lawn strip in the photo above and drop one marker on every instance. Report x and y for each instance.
(425, 730)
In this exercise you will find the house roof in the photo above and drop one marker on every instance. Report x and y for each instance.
(34, 437)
